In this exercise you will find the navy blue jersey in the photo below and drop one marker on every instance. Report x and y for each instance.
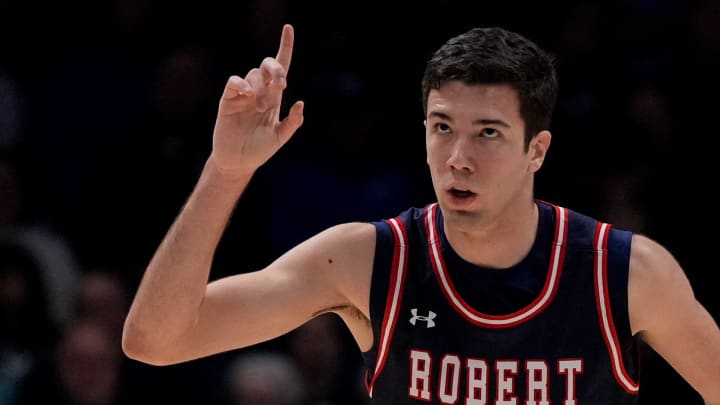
(553, 329)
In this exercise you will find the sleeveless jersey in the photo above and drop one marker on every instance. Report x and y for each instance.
(553, 329)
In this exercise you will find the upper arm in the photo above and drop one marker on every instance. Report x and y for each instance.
(329, 272)
(666, 315)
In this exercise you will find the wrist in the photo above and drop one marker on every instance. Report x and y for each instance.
(232, 175)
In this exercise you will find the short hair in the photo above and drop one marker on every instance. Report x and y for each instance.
(497, 56)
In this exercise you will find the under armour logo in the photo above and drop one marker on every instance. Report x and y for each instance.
(429, 318)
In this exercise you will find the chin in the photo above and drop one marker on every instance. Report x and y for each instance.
(461, 218)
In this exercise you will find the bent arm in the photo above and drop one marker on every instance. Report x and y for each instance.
(329, 272)
(665, 313)
(177, 316)
(173, 286)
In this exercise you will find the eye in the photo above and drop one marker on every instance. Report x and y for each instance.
(489, 133)
(442, 128)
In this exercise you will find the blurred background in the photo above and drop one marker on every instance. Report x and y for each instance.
(106, 115)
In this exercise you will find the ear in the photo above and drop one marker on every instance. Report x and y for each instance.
(537, 150)
(427, 155)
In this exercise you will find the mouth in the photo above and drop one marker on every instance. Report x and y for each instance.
(461, 193)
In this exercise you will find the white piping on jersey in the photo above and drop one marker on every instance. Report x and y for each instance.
(605, 316)
(392, 314)
(490, 320)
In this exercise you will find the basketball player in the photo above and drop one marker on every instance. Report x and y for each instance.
(488, 296)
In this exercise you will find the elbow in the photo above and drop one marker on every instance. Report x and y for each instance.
(136, 346)
(134, 349)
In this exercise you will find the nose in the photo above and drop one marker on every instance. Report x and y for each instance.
(460, 158)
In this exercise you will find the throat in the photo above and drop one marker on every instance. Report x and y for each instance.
(496, 245)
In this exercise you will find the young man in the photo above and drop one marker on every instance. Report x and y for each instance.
(487, 296)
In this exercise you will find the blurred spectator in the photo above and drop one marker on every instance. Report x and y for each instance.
(322, 351)
(267, 378)
(85, 369)
(11, 201)
(51, 252)
(11, 112)
(148, 167)
(633, 187)
(102, 297)
(26, 326)
(704, 26)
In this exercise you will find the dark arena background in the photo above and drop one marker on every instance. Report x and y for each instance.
(106, 117)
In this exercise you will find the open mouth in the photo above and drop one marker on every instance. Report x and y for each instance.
(460, 193)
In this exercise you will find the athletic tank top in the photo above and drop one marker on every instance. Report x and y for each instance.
(553, 329)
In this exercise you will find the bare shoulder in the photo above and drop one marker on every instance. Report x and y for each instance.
(657, 283)
(346, 234)
(666, 315)
(350, 257)
(340, 246)
(343, 256)
(650, 259)
(656, 279)
(340, 259)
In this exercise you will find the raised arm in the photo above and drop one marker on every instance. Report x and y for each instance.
(665, 313)
(176, 316)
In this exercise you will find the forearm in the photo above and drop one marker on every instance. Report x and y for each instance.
(173, 287)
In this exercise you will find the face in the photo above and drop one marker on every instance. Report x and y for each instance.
(475, 150)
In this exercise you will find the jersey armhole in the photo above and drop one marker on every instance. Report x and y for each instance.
(382, 267)
(386, 290)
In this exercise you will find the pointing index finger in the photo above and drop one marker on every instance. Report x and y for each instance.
(284, 55)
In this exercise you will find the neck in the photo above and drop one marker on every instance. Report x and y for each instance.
(501, 241)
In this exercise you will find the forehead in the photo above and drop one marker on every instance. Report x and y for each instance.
(478, 101)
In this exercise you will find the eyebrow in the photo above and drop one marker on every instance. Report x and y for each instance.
(482, 121)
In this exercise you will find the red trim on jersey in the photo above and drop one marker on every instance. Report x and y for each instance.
(557, 256)
(394, 297)
(602, 299)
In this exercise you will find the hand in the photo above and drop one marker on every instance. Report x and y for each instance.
(248, 130)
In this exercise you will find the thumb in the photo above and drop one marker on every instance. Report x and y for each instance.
(287, 127)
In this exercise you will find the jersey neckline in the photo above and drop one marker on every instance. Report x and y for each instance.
(433, 224)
